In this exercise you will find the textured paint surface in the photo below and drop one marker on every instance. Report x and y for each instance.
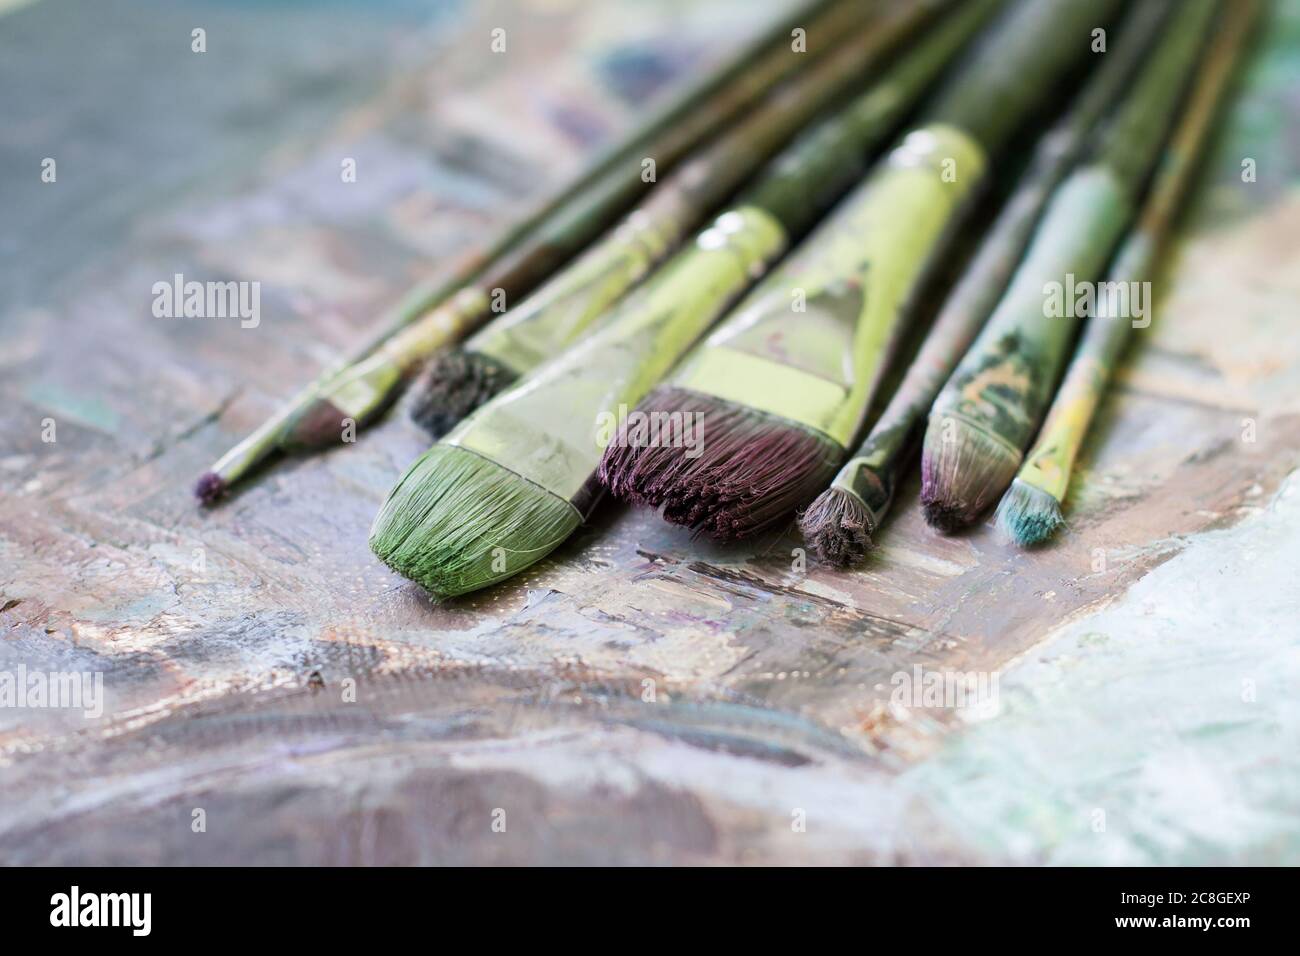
(1183, 717)
(227, 637)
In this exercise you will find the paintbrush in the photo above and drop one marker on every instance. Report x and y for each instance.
(362, 392)
(458, 380)
(989, 408)
(571, 216)
(785, 381)
(1030, 511)
(839, 524)
(515, 478)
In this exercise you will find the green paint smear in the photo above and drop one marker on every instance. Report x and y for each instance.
(63, 404)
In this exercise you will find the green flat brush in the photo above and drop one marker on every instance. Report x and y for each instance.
(515, 478)
(1030, 511)
(783, 391)
(989, 408)
(458, 380)
(839, 524)
(362, 392)
(604, 189)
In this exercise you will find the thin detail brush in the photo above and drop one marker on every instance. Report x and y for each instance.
(1030, 512)
(458, 380)
(989, 408)
(516, 477)
(839, 524)
(361, 393)
(783, 384)
(669, 133)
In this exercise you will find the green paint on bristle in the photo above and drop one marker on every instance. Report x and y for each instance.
(544, 434)
(513, 480)
(1027, 515)
(457, 522)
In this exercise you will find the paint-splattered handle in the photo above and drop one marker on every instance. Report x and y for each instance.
(1003, 384)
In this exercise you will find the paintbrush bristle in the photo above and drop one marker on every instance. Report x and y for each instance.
(963, 470)
(457, 522)
(348, 402)
(209, 488)
(320, 424)
(1028, 515)
(838, 528)
(453, 384)
(741, 472)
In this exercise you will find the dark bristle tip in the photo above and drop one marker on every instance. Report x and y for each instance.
(1029, 516)
(454, 384)
(963, 471)
(946, 518)
(210, 488)
(750, 472)
(838, 528)
(319, 426)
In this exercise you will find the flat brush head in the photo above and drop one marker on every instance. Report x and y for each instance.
(457, 522)
(838, 528)
(209, 488)
(1027, 515)
(726, 470)
(963, 470)
(453, 384)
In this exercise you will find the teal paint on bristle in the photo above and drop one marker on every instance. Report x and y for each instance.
(457, 522)
(1027, 515)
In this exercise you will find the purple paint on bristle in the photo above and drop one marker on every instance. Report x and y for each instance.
(752, 471)
(209, 488)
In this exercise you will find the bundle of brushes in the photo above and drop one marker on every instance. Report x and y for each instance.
(989, 409)
(1030, 512)
(839, 524)
(516, 477)
(781, 388)
(435, 314)
(458, 380)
